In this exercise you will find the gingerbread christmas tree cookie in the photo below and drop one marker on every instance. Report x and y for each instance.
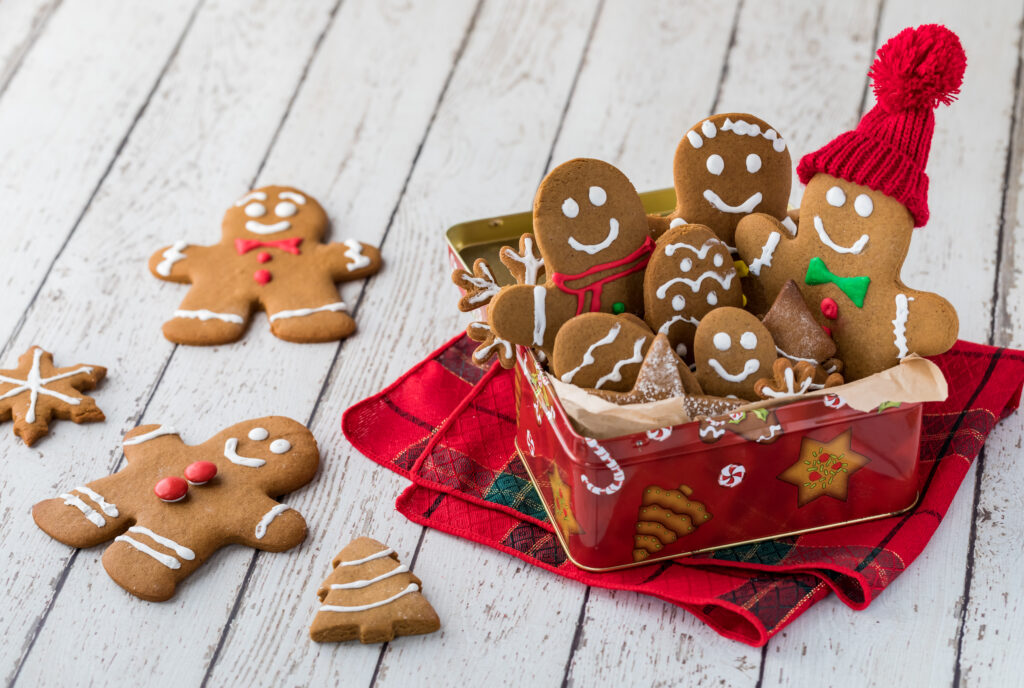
(371, 596)
(36, 391)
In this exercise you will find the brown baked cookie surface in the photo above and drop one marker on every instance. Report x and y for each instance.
(271, 257)
(372, 596)
(173, 505)
(601, 351)
(36, 392)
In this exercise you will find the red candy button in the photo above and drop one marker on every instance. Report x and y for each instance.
(172, 489)
(261, 276)
(829, 308)
(200, 472)
(263, 256)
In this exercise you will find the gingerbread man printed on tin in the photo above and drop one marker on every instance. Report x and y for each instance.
(173, 505)
(271, 257)
(866, 192)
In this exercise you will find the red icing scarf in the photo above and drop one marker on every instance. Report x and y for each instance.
(559, 279)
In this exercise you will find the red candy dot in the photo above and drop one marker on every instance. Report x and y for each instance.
(261, 276)
(200, 472)
(263, 256)
(828, 330)
(829, 308)
(171, 489)
(837, 465)
(814, 476)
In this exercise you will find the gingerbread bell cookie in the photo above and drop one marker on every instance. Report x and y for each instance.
(732, 351)
(866, 191)
(591, 232)
(271, 257)
(371, 596)
(691, 273)
(36, 392)
(173, 505)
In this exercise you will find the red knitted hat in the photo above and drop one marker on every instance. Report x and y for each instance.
(888, 151)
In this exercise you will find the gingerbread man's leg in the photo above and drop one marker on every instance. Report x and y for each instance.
(149, 563)
(312, 312)
(209, 316)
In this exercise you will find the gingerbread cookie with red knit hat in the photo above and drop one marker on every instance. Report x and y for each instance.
(866, 192)
(271, 257)
(591, 232)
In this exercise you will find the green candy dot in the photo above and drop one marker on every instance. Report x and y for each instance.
(618, 307)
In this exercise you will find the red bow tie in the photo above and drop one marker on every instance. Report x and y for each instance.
(243, 246)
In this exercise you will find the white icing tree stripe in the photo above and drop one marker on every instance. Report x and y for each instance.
(899, 324)
(354, 253)
(204, 315)
(376, 555)
(854, 248)
(401, 568)
(767, 251)
(301, 312)
(268, 518)
(94, 516)
(171, 256)
(35, 384)
(616, 374)
(151, 435)
(695, 284)
(412, 587)
(588, 355)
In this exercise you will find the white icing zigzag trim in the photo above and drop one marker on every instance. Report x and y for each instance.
(899, 325)
(616, 374)
(743, 128)
(171, 256)
(588, 355)
(695, 284)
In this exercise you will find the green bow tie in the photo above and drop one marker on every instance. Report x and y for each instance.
(855, 288)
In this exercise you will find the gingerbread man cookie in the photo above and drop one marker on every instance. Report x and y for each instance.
(36, 392)
(691, 272)
(591, 231)
(732, 350)
(173, 505)
(728, 166)
(271, 257)
(866, 191)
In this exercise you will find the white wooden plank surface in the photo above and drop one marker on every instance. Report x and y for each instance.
(439, 112)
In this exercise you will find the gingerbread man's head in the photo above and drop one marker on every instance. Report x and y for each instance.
(732, 349)
(275, 453)
(587, 213)
(275, 212)
(728, 166)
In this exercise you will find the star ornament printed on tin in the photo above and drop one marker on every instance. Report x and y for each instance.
(824, 468)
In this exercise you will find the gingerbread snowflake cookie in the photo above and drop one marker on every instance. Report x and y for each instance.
(36, 392)
(866, 192)
(173, 505)
(271, 257)
(371, 596)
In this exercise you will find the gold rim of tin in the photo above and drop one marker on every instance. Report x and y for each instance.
(792, 533)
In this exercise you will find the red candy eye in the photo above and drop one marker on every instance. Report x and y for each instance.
(171, 489)
(200, 472)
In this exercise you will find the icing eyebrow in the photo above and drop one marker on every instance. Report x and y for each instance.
(251, 196)
(291, 196)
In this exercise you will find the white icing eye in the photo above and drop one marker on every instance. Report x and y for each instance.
(709, 129)
(748, 340)
(686, 265)
(597, 196)
(570, 208)
(694, 138)
(678, 302)
(280, 446)
(718, 260)
(753, 163)
(713, 298)
(255, 210)
(715, 164)
(258, 434)
(722, 341)
(863, 205)
(835, 197)
(285, 209)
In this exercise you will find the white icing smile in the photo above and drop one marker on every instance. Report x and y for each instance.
(855, 249)
(718, 204)
(231, 454)
(749, 368)
(260, 228)
(613, 234)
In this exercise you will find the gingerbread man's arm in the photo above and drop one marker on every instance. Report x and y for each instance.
(172, 263)
(272, 527)
(760, 238)
(349, 259)
(924, 323)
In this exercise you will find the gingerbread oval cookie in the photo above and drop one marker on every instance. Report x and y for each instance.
(601, 351)
(733, 350)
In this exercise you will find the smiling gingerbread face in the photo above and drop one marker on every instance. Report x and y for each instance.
(732, 351)
(274, 452)
(275, 212)
(728, 166)
(587, 213)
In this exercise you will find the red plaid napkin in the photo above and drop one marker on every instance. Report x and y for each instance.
(449, 426)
